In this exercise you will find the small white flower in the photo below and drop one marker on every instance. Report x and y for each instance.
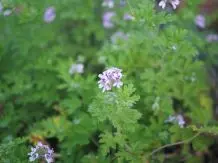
(39, 144)
(7, 12)
(178, 119)
(174, 47)
(76, 68)
(110, 78)
(162, 3)
(191, 78)
(108, 3)
(174, 3)
(33, 157)
(200, 21)
(49, 156)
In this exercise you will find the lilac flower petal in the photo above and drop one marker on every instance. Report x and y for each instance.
(49, 15)
(200, 21)
(107, 19)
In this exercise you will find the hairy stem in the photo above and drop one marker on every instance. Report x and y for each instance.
(173, 144)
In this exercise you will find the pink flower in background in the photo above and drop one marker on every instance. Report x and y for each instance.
(49, 15)
(107, 19)
(200, 21)
(212, 38)
(110, 78)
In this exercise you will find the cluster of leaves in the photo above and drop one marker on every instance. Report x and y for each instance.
(163, 76)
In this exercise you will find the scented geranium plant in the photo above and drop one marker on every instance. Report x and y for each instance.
(103, 81)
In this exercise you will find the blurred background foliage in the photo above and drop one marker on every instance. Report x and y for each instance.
(166, 60)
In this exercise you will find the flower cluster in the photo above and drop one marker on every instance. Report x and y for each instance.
(41, 152)
(110, 78)
(178, 119)
(49, 15)
(174, 3)
(76, 68)
(108, 15)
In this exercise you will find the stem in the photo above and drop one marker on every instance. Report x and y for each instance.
(130, 7)
(173, 144)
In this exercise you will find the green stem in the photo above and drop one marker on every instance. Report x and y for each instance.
(130, 7)
(173, 144)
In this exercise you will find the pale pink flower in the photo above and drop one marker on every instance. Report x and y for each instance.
(41, 152)
(110, 78)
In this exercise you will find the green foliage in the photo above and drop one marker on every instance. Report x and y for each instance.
(116, 107)
(162, 77)
(13, 151)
